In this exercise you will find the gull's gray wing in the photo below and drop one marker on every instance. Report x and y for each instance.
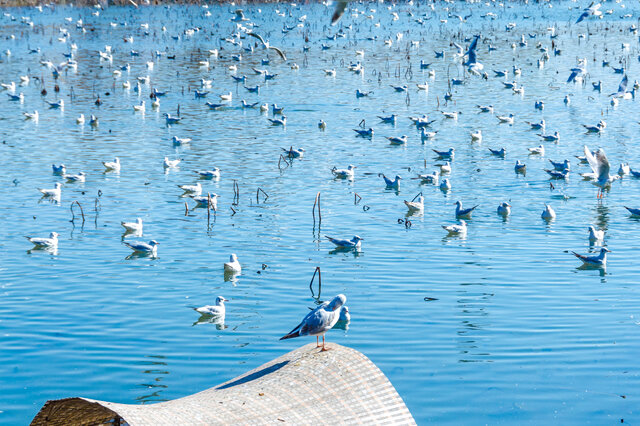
(603, 165)
(622, 88)
(258, 37)
(341, 5)
(593, 162)
(279, 52)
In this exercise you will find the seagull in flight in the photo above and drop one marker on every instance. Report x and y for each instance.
(600, 170)
(578, 72)
(592, 10)
(622, 89)
(268, 46)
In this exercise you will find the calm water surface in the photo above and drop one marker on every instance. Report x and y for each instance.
(517, 333)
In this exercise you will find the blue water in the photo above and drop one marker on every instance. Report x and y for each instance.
(517, 333)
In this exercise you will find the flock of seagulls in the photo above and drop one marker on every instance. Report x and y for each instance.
(467, 53)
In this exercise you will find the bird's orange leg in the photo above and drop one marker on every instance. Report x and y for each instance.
(317, 342)
(323, 348)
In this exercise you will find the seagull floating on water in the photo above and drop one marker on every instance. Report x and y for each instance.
(597, 260)
(51, 242)
(133, 226)
(217, 310)
(141, 247)
(355, 242)
(233, 265)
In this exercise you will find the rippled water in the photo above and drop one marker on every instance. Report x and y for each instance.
(517, 333)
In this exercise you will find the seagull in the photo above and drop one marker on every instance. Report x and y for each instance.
(392, 183)
(112, 165)
(209, 174)
(600, 170)
(80, 177)
(59, 170)
(597, 260)
(170, 163)
(141, 247)
(31, 115)
(216, 310)
(560, 166)
(171, 120)
(445, 185)
(355, 242)
(485, 108)
(456, 229)
(364, 133)
(460, 212)
(520, 167)
(578, 73)
(506, 118)
(56, 105)
(537, 150)
(391, 119)
(344, 173)
(592, 10)
(595, 235)
(267, 46)
(133, 226)
(139, 108)
(278, 121)
(415, 206)
(476, 136)
(555, 174)
(446, 154)
(344, 314)
(499, 152)
(624, 169)
(80, 119)
(537, 126)
(233, 265)
(54, 193)
(397, 140)
(597, 128)
(555, 137)
(193, 189)
(504, 209)
(203, 201)
(634, 212)
(622, 89)
(319, 321)
(51, 242)
(431, 178)
(445, 168)
(548, 213)
(424, 135)
(294, 153)
(239, 16)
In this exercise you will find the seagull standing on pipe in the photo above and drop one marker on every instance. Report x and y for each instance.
(319, 321)
(267, 46)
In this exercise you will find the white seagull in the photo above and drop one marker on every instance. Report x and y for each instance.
(140, 247)
(133, 226)
(355, 242)
(233, 265)
(319, 321)
(217, 310)
(51, 242)
(597, 260)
